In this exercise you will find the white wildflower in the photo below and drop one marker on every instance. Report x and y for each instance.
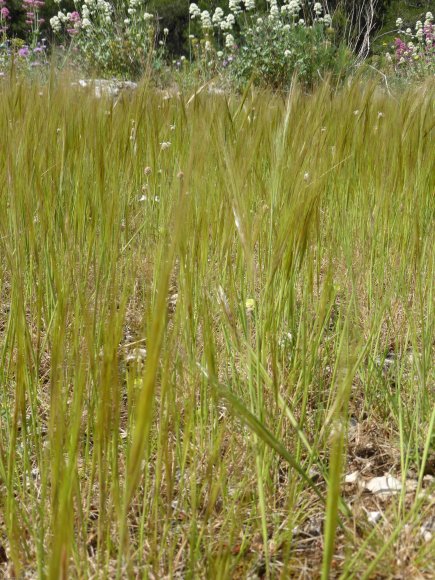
(327, 19)
(229, 41)
(274, 10)
(249, 5)
(206, 20)
(294, 7)
(399, 23)
(194, 11)
(55, 24)
(234, 6)
(228, 23)
(218, 16)
(317, 8)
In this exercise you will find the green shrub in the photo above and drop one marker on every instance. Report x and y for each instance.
(271, 47)
(273, 53)
(109, 39)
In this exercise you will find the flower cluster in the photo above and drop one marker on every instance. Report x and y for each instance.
(114, 41)
(414, 50)
(27, 56)
(286, 16)
(270, 46)
(4, 17)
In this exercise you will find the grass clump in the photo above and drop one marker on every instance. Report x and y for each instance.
(215, 311)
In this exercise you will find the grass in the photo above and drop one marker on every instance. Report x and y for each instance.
(199, 341)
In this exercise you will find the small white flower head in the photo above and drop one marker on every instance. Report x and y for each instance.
(207, 45)
(165, 145)
(218, 16)
(166, 31)
(301, 22)
(287, 53)
(127, 20)
(228, 23)
(194, 11)
(55, 24)
(219, 54)
(229, 41)
(317, 9)
(259, 21)
(306, 176)
(327, 19)
(206, 20)
(147, 17)
(418, 25)
(249, 5)
(380, 114)
(131, 11)
(429, 17)
(399, 23)
(86, 23)
(234, 6)
(274, 10)
(419, 34)
(408, 31)
(286, 27)
(294, 7)
(388, 57)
